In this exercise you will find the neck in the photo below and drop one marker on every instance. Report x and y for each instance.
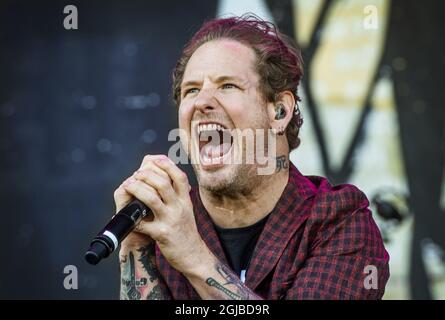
(245, 209)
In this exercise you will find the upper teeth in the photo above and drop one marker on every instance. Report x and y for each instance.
(210, 126)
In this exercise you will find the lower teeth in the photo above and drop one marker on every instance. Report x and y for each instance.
(215, 152)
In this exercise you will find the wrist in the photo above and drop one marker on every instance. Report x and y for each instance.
(200, 265)
(136, 240)
(135, 247)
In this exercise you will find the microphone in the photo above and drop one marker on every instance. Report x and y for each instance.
(115, 231)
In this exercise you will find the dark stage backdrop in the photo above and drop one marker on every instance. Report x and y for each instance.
(80, 108)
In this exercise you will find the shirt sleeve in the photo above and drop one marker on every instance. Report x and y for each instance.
(347, 258)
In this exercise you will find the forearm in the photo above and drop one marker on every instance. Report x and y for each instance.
(139, 275)
(214, 280)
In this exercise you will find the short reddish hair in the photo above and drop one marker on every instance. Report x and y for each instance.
(279, 63)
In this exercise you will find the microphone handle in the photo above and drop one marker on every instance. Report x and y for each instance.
(110, 237)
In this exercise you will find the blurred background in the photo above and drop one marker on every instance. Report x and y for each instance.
(79, 108)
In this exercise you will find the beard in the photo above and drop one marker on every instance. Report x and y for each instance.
(231, 181)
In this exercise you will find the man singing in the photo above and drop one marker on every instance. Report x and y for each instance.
(242, 234)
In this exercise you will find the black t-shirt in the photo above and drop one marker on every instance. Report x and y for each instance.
(239, 243)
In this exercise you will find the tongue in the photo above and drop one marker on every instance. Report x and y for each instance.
(213, 151)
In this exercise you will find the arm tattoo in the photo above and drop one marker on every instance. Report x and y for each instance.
(213, 283)
(132, 287)
(282, 163)
(156, 293)
(241, 293)
(147, 255)
(129, 287)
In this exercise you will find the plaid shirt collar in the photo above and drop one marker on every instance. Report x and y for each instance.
(284, 220)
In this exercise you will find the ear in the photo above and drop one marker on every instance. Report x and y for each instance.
(286, 100)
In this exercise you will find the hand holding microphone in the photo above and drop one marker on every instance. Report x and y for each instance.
(123, 227)
(164, 189)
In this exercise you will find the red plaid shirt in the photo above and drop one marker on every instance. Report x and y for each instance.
(316, 244)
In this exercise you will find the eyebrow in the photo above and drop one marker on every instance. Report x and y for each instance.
(216, 80)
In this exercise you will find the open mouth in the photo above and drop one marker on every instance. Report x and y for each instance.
(215, 142)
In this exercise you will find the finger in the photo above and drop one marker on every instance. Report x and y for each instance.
(148, 163)
(139, 228)
(151, 228)
(151, 158)
(121, 197)
(145, 193)
(162, 185)
(179, 178)
(152, 166)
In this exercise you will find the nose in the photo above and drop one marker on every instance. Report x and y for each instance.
(205, 100)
